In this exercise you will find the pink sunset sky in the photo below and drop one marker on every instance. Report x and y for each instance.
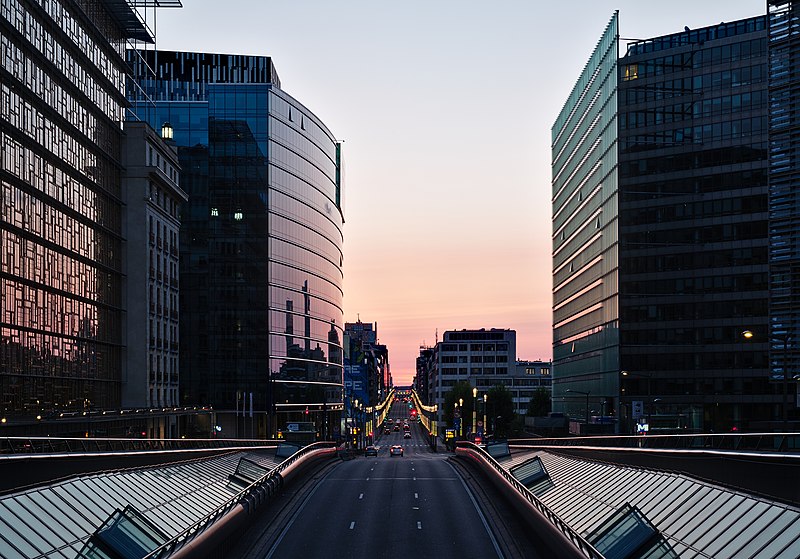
(445, 108)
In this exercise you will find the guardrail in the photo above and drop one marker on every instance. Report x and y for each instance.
(757, 442)
(52, 445)
(252, 495)
(463, 447)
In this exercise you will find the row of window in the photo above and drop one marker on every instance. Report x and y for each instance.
(281, 108)
(705, 310)
(681, 386)
(474, 359)
(715, 233)
(86, 160)
(704, 184)
(693, 160)
(38, 310)
(698, 36)
(23, 258)
(702, 285)
(701, 134)
(724, 54)
(683, 210)
(48, 178)
(48, 373)
(690, 110)
(15, 61)
(474, 370)
(473, 347)
(318, 197)
(692, 260)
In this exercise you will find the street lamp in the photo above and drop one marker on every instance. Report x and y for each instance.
(627, 374)
(474, 411)
(587, 404)
(461, 419)
(784, 339)
(485, 425)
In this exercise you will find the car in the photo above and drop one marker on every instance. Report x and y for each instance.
(407, 435)
(371, 451)
(396, 427)
(387, 431)
(396, 450)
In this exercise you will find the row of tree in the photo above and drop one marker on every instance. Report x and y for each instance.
(501, 418)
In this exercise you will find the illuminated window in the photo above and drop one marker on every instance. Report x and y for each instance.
(631, 72)
(214, 212)
(238, 216)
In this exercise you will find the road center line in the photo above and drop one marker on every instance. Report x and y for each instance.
(352, 524)
(419, 525)
(416, 495)
(361, 496)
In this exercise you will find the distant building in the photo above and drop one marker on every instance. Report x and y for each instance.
(488, 356)
(665, 228)
(261, 240)
(529, 376)
(367, 372)
(151, 223)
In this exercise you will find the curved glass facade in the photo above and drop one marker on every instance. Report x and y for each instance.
(261, 239)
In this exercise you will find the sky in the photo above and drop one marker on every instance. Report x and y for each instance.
(445, 109)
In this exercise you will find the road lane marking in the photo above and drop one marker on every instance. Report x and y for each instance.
(480, 515)
(419, 525)
(361, 496)
(352, 524)
(416, 495)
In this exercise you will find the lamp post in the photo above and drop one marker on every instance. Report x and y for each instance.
(587, 404)
(627, 374)
(461, 420)
(474, 411)
(485, 425)
(650, 412)
(784, 339)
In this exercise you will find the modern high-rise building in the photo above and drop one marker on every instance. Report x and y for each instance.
(62, 107)
(261, 239)
(661, 232)
(783, 334)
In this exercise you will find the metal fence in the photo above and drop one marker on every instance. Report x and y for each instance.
(55, 445)
(740, 442)
(584, 546)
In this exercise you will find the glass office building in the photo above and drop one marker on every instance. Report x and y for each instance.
(261, 239)
(690, 225)
(784, 208)
(62, 100)
(585, 234)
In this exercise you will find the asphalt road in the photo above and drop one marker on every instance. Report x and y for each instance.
(388, 507)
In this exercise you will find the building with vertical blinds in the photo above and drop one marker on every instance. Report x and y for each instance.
(662, 233)
(261, 240)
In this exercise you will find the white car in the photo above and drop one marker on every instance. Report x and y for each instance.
(396, 450)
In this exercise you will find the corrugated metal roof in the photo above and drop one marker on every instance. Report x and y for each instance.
(57, 520)
(694, 518)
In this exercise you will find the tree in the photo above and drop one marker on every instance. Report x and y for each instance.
(540, 403)
(461, 390)
(500, 410)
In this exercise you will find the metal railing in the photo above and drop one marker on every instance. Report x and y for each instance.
(56, 445)
(739, 442)
(579, 541)
(255, 493)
